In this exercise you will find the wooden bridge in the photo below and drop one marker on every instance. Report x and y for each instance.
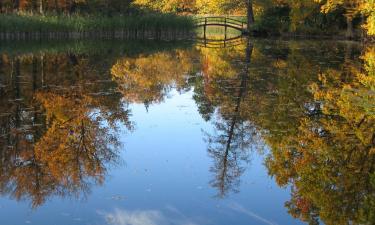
(221, 21)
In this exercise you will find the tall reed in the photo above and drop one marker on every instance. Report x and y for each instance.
(28, 25)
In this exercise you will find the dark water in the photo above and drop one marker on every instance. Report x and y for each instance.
(161, 133)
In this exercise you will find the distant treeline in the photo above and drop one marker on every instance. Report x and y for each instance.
(66, 6)
(348, 18)
(284, 16)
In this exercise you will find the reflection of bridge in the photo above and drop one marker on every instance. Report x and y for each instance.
(221, 22)
(220, 43)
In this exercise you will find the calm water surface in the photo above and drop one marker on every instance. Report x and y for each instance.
(167, 133)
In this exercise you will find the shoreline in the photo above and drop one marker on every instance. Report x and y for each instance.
(98, 35)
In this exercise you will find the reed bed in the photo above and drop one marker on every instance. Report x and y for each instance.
(33, 26)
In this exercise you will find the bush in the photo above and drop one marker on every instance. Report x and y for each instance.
(274, 20)
(277, 20)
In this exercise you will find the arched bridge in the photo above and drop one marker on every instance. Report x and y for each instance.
(221, 21)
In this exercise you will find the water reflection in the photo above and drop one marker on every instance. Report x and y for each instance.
(307, 106)
(146, 217)
(234, 135)
(316, 113)
(58, 125)
(329, 159)
(149, 78)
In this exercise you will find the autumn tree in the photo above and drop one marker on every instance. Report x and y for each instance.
(168, 5)
(352, 8)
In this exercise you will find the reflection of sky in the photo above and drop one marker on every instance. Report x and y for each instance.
(145, 217)
(175, 217)
(164, 180)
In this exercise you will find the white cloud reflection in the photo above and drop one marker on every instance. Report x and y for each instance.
(142, 217)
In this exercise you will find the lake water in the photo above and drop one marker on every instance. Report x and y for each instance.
(180, 133)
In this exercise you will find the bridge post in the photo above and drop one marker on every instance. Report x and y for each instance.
(205, 27)
(226, 28)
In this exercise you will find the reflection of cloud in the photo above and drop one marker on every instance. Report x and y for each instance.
(143, 217)
(123, 217)
(239, 208)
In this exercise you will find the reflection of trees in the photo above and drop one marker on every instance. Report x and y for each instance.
(226, 85)
(329, 159)
(221, 84)
(317, 117)
(148, 78)
(58, 132)
(229, 150)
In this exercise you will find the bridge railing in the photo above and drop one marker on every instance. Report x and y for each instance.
(218, 20)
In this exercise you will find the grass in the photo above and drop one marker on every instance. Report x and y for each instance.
(27, 22)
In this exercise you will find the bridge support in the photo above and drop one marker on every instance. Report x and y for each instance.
(205, 27)
(226, 28)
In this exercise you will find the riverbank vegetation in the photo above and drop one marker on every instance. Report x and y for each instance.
(340, 18)
(36, 26)
(348, 18)
(104, 19)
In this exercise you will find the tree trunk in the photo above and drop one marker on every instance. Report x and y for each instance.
(349, 29)
(41, 6)
(56, 7)
(34, 72)
(250, 14)
(42, 68)
(16, 5)
(72, 7)
(17, 74)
